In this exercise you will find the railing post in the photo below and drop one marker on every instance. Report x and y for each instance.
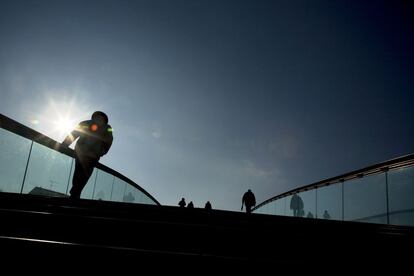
(70, 172)
(94, 184)
(27, 165)
(124, 193)
(343, 204)
(316, 202)
(112, 188)
(387, 197)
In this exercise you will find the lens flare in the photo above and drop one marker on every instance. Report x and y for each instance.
(64, 125)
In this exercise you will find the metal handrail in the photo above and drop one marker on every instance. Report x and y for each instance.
(399, 162)
(31, 134)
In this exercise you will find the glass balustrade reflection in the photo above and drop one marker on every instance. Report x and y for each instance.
(32, 168)
(118, 190)
(289, 209)
(88, 190)
(132, 195)
(401, 194)
(307, 201)
(271, 206)
(48, 172)
(362, 199)
(147, 200)
(13, 159)
(365, 199)
(281, 206)
(103, 186)
(330, 202)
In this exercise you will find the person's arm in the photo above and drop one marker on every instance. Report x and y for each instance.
(242, 203)
(107, 143)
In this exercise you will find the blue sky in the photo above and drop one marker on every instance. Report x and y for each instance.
(210, 98)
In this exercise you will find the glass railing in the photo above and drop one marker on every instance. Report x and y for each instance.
(31, 163)
(382, 193)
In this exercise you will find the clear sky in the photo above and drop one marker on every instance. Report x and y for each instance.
(210, 98)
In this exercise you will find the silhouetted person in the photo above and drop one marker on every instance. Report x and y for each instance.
(208, 205)
(296, 204)
(326, 215)
(190, 205)
(249, 200)
(95, 140)
(182, 203)
(310, 215)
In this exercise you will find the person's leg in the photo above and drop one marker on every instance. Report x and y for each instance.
(248, 209)
(78, 177)
(83, 170)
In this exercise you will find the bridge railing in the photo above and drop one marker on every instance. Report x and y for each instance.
(382, 193)
(32, 163)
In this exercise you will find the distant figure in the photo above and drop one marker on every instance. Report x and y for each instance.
(296, 204)
(310, 215)
(182, 203)
(326, 215)
(129, 197)
(95, 140)
(249, 200)
(190, 205)
(208, 205)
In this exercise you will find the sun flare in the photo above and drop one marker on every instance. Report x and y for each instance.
(59, 118)
(64, 125)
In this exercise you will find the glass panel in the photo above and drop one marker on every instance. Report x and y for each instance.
(400, 194)
(309, 204)
(289, 207)
(48, 172)
(147, 200)
(70, 177)
(103, 186)
(273, 208)
(129, 195)
(330, 202)
(13, 159)
(118, 190)
(143, 198)
(262, 210)
(268, 210)
(281, 206)
(132, 195)
(365, 199)
(87, 191)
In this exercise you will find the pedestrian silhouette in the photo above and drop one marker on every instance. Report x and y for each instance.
(208, 205)
(249, 201)
(296, 204)
(310, 215)
(95, 140)
(326, 215)
(182, 203)
(190, 205)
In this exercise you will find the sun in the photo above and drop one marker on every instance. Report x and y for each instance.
(59, 118)
(64, 125)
